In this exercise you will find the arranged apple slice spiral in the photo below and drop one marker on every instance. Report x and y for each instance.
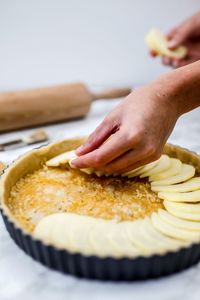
(173, 231)
(177, 222)
(186, 172)
(168, 229)
(140, 170)
(89, 235)
(180, 197)
(185, 211)
(163, 164)
(190, 185)
(175, 168)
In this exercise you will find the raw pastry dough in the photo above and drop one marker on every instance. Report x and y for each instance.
(2, 167)
(156, 41)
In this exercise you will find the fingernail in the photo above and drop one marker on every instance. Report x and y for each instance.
(78, 150)
(172, 44)
(175, 64)
(72, 165)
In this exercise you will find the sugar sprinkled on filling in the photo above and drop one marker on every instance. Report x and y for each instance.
(52, 190)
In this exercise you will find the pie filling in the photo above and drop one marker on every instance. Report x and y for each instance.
(150, 210)
(52, 190)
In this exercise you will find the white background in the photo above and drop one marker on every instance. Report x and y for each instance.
(100, 42)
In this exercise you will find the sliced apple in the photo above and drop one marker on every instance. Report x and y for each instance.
(99, 173)
(145, 243)
(164, 164)
(43, 230)
(131, 173)
(186, 173)
(61, 159)
(99, 240)
(111, 238)
(52, 229)
(156, 41)
(186, 211)
(140, 170)
(66, 158)
(119, 240)
(162, 240)
(177, 222)
(181, 197)
(150, 233)
(59, 235)
(190, 185)
(172, 231)
(174, 169)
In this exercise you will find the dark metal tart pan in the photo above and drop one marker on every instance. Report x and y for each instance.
(94, 267)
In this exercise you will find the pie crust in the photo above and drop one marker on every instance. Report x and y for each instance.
(168, 226)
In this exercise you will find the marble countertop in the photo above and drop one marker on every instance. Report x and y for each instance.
(23, 278)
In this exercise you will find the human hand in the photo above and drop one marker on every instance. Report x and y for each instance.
(137, 130)
(187, 34)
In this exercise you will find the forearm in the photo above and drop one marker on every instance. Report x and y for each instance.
(181, 86)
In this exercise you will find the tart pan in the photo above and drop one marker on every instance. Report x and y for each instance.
(94, 267)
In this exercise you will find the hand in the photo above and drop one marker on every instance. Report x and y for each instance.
(187, 34)
(133, 134)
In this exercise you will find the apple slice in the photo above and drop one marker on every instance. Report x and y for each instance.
(61, 159)
(66, 158)
(186, 211)
(98, 240)
(190, 185)
(177, 222)
(135, 234)
(149, 232)
(140, 170)
(164, 164)
(119, 240)
(52, 229)
(174, 169)
(181, 197)
(132, 173)
(172, 231)
(162, 240)
(43, 230)
(186, 173)
(149, 240)
(99, 173)
(156, 41)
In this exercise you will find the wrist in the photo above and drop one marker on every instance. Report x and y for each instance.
(180, 88)
(167, 93)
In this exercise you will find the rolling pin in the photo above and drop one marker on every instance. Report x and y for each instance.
(39, 106)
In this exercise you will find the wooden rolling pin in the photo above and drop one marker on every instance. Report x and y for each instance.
(51, 104)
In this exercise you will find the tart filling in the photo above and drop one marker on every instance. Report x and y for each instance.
(150, 210)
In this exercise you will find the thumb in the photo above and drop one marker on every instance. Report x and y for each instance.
(179, 38)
